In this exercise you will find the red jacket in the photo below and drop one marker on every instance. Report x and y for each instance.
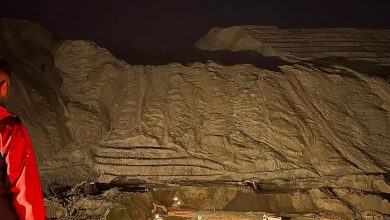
(22, 171)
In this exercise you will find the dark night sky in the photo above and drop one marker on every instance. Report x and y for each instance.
(126, 25)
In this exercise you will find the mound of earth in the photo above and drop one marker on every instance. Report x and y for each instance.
(306, 138)
(364, 50)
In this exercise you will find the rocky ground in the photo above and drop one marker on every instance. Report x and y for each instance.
(96, 201)
(290, 136)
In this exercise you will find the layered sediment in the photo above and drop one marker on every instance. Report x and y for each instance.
(306, 138)
(302, 44)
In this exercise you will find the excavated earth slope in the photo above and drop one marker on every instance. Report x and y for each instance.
(307, 138)
(302, 44)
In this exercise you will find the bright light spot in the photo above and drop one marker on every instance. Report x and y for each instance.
(175, 198)
(179, 203)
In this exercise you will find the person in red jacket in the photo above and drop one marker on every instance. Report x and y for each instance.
(20, 187)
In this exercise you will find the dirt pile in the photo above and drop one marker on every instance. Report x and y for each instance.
(307, 138)
(302, 44)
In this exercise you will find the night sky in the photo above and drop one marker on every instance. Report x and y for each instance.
(125, 26)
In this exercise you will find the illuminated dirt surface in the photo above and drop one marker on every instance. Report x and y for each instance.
(175, 202)
(302, 44)
(306, 136)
